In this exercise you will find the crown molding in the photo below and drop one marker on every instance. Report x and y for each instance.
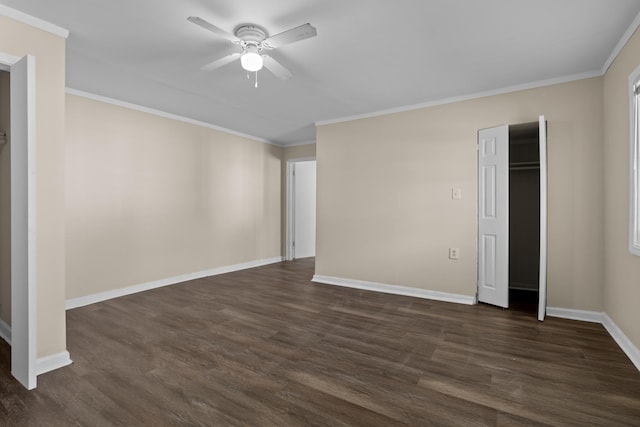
(502, 91)
(621, 43)
(164, 114)
(33, 21)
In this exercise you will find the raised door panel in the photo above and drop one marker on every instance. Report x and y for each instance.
(493, 216)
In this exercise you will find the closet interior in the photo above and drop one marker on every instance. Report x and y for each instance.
(524, 215)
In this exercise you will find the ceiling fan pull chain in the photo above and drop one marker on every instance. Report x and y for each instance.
(256, 79)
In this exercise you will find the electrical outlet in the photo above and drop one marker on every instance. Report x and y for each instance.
(456, 193)
(454, 253)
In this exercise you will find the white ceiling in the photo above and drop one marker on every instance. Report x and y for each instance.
(369, 55)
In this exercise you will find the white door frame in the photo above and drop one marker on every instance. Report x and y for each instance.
(290, 237)
(23, 217)
(542, 279)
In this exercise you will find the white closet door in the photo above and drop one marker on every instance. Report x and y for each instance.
(493, 216)
(304, 215)
(542, 285)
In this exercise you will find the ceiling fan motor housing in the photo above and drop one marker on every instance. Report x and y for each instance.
(251, 34)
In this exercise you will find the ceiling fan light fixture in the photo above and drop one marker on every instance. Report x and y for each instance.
(251, 59)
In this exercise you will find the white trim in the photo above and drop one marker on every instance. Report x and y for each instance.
(7, 60)
(164, 114)
(23, 222)
(298, 144)
(634, 163)
(5, 331)
(395, 290)
(543, 160)
(622, 340)
(509, 89)
(571, 314)
(107, 295)
(53, 362)
(616, 333)
(33, 21)
(621, 43)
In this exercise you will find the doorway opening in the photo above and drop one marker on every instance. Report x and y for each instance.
(5, 207)
(301, 208)
(524, 216)
(21, 214)
(512, 216)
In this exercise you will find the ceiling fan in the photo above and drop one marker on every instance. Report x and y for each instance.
(254, 40)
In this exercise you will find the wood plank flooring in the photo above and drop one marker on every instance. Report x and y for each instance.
(266, 347)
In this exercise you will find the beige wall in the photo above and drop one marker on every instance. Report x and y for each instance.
(150, 198)
(385, 212)
(5, 203)
(19, 39)
(622, 270)
(298, 152)
(290, 153)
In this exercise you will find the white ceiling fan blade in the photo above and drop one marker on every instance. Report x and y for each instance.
(215, 30)
(221, 62)
(293, 35)
(276, 68)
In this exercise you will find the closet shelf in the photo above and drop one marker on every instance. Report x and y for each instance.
(524, 165)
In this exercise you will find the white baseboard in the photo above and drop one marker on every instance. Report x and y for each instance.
(395, 290)
(623, 341)
(603, 318)
(568, 313)
(50, 363)
(43, 364)
(53, 362)
(107, 295)
(5, 331)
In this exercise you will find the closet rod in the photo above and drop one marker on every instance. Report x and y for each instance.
(524, 168)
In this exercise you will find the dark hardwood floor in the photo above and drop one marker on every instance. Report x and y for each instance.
(266, 347)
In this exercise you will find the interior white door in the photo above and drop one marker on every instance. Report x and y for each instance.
(493, 216)
(542, 285)
(304, 211)
(23, 285)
